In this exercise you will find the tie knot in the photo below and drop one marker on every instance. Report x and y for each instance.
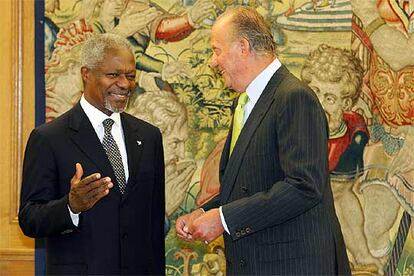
(107, 124)
(243, 99)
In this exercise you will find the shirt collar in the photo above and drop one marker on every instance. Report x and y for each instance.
(95, 116)
(256, 87)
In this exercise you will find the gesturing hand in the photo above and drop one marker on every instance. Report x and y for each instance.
(84, 193)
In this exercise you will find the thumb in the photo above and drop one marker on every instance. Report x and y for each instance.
(79, 172)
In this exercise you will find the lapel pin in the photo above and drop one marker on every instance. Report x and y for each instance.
(139, 142)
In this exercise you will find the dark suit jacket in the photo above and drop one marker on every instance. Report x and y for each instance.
(120, 234)
(275, 191)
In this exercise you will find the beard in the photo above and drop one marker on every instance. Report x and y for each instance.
(114, 106)
(115, 109)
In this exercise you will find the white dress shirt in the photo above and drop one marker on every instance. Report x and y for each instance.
(96, 117)
(254, 90)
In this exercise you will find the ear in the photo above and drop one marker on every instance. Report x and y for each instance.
(245, 46)
(347, 104)
(85, 72)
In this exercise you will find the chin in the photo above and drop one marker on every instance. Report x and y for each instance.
(116, 107)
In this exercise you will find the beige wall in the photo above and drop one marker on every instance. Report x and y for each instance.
(17, 119)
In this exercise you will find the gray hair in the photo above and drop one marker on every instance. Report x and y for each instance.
(95, 48)
(249, 24)
(332, 64)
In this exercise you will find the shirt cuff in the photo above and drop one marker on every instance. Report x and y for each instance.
(74, 217)
(223, 221)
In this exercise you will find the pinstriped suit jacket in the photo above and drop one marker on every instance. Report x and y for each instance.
(275, 191)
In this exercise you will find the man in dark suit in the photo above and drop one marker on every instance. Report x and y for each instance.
(93, 179)
(275, 205)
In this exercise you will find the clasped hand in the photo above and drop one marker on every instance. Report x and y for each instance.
(199, 226)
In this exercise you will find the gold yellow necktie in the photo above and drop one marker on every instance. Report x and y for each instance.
(238, 119)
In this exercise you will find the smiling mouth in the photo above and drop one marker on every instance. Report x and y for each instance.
(120, 95)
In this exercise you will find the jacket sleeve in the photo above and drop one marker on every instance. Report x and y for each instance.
(212, 203)
(41, 212)
(301, 132)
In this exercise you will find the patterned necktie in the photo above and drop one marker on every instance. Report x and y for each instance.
(238, 119)
(114, 155)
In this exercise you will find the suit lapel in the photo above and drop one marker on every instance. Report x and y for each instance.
(226, 149)
(232, 166)
(225, 155)
(134, 143)
(84, 136)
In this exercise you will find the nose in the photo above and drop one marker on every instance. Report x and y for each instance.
(123, 82)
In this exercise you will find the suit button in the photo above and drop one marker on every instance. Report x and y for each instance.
(243, 232)
(244, 189)
(248, 230)
(238, 234)
(242, 263)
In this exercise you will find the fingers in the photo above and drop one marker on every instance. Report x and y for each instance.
(100, 184)
(88, 183)
(98, 187)
(89, 179)
(98, 190)
(180, 228)
(184, 225)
